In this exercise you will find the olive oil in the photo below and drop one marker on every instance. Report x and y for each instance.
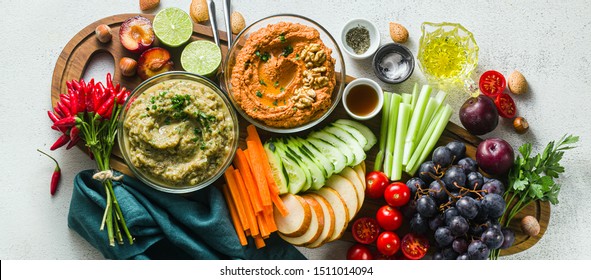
(362, 100)
(445, 57)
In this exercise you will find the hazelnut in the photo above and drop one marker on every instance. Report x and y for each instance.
(199, 11)
(237, 22)
(521, 125)
(148, 4)
(398, 32)
(517, 83)
(103, 33)
(530, 226)
(128, 66)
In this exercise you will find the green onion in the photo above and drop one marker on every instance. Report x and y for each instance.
(401, 129)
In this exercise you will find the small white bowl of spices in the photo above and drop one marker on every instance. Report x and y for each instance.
(360, 38)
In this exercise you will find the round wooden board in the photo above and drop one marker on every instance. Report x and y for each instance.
(78, 53)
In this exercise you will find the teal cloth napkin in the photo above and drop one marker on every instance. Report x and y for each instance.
(166, 226)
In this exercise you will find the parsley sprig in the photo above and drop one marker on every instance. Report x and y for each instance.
(532, 177)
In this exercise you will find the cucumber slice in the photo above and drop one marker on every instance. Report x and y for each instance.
(354, 132)
(355, 146)
(296, 177)
(335, 142)
(276, 167)
(337, 158)
(369, 135)
(316, 174)
(316, 155)
(286, 155)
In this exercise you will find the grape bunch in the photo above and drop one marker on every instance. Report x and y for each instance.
(459, 205)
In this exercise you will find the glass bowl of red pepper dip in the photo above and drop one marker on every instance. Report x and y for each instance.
(178, 132)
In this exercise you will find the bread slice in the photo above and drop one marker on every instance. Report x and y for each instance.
(347, 191)
(329, 220)
(351, 175)
(315, 228)
(299, 218)
(341, 214)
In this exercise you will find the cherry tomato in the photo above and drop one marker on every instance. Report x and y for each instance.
(389, 217)
(414, 246)
(388, 243)
(505, 106)
(365, 230)
(376, 184)
(397, 194)
(492, 83)
(359, 252)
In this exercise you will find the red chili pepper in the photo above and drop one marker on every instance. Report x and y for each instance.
(74, 137)
(63, 140)
(52, 116)
(106, 106)
(109, 81)
(66, 122)
(55, 177)
(76, 84)
(121, 96)
(58, 112)
(74, 102)
(65, 110)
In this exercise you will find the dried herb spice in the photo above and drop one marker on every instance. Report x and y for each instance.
(358, 39)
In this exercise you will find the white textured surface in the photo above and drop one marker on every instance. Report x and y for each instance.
(548, 41)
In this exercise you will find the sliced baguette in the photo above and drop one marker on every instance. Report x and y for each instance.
(315, 228)
(341, 214)
(329, 220)
(347, 191)
(351, 175)
(299, 218)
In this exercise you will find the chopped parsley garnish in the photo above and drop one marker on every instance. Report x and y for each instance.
(263, 56)
(275, 103)
(276, 84)
(153, 99)
(282, 89)
(262, 83)
(282, 37)
(297, 56)
(154, 107)
(179, 102)
(259, 94)
(163, 93)
(287, 51)
(167, 121)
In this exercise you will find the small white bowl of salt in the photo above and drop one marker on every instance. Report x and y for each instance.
(393, 63)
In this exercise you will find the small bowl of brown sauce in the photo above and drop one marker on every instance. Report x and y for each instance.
(360, 38)
(363, 99)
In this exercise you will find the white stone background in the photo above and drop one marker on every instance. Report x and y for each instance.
(548, 41)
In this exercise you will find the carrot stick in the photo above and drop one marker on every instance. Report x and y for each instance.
(279, 205)
(254, 136)
(234, 215)
(235, 196)
(257, 168)
(250, 216)
(241, 163)
(270, 222)
(262, 226)
(259, 242)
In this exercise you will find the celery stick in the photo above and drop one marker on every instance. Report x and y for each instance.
(407, 98)
(385, 116)
(415, 95)
(377, 165)
(401, 128)
(415, 123)
(422, 143)
(393, 117)
(437, 102)
(439, 128)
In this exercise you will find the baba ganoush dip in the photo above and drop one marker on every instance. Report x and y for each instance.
(178, 132)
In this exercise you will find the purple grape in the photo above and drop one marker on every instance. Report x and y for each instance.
(474, 181)
(414, 184)
(468, 165)
(468, 207)
(419, 224)
(442, 157)
(509, 238)
(426, 206)
(426, 171)
(460, 245)
(458, 226)
(437, 191)
(493, 238)
(458, 150)
(494, 186)
(477, 250)
(454, 177)
(443, 236)
(494, 204)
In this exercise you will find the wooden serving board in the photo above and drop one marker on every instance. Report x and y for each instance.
(77, 54)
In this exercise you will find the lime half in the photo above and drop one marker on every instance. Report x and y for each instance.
(173, 27)
(201, 57)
